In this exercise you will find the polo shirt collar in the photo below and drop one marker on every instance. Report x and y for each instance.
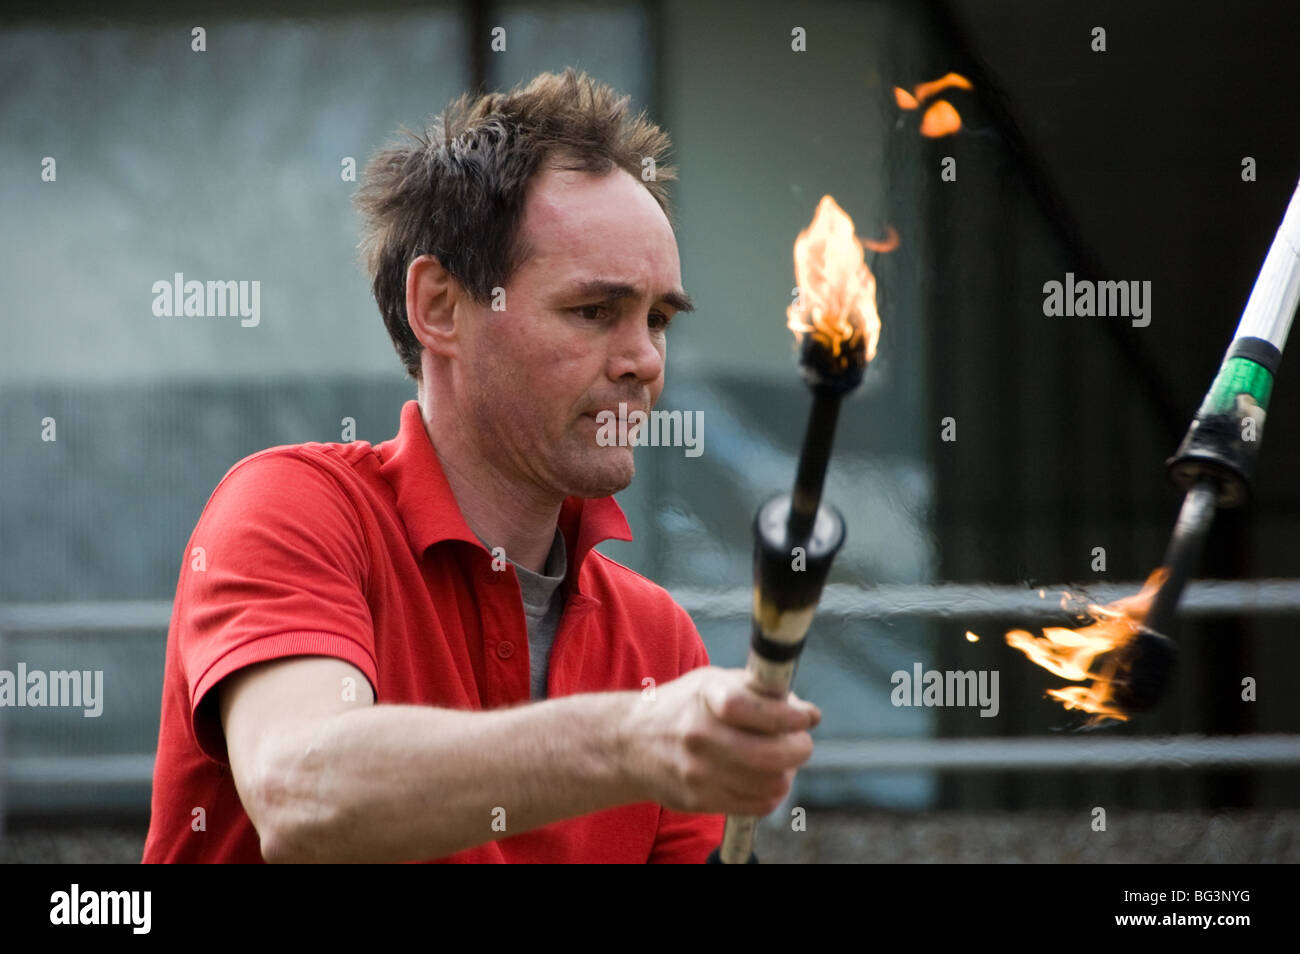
(431, 514)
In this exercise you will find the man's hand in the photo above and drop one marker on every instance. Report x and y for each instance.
(706, 742)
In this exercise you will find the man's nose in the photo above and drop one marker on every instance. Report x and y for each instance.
(636, 351)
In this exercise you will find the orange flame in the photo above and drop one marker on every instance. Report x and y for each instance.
(923, 91)
(1072, 653)
(886, 244)
(904, 99)
(941, 118)
(837, 291)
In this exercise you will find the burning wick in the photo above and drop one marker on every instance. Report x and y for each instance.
(1107, 653)
(836, 324)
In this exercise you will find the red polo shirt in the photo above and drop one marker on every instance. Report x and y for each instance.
(360, 552)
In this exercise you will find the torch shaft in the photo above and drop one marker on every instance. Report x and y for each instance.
(772, 679)
(795, 539)
(1183, 553)
(786, 593)
(1215, 463)
(1223, 441)
(1273, 300)
(814, 457)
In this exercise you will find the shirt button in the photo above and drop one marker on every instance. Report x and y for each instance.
(505, 649)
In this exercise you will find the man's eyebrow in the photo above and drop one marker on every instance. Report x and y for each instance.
(612, 291)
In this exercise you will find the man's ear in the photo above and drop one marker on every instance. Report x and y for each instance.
(431, 296)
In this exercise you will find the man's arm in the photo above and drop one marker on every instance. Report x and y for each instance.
(327, 775)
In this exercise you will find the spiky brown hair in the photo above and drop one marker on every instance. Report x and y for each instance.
(457, 191)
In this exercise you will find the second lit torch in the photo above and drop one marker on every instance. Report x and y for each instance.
(795, 537)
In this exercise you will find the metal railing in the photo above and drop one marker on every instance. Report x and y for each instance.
(938, 602)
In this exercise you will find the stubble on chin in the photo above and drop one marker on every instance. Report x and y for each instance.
(599, 474)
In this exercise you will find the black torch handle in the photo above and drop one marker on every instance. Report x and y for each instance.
(787, 589)
(818, 439)
(1183, 553)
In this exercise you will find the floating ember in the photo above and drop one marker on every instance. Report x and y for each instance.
(941, 117)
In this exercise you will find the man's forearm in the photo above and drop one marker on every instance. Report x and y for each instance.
(403, 783)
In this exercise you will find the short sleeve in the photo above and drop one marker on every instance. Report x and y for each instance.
(277, 567)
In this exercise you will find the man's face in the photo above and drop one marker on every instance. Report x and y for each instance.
(583, 329)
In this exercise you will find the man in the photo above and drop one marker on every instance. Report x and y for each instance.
(410, 651)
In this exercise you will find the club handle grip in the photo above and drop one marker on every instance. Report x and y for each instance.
(770, 679)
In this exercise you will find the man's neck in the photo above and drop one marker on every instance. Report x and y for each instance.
(499, 511)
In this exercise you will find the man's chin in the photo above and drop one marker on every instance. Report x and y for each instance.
(604, 477)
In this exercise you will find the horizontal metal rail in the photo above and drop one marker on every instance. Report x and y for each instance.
(76, 771)
(978, 602)
(945, 601)
(888, 601)
(1055, 754)
(107, 615)
(845, 755)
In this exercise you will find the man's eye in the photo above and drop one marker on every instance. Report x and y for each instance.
(659, 321)
(591, 312)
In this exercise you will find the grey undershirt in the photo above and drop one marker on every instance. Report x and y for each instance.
(543, 605)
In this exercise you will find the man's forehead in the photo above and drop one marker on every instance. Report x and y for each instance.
(564, 204)
(587, 227)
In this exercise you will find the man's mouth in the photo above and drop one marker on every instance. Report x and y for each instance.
(618, 411)
(617, 426)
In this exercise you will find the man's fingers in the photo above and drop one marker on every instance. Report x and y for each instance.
(815, 710)
(741, 707)
(754, 756)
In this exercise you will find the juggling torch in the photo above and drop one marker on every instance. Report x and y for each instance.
(1215, 464)
(795, 537)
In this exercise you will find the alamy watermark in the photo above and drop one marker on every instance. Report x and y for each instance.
(194, 299)
(638, 428)
(1085, 299)
(75, 906)
(59, 689)
(946, 688)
